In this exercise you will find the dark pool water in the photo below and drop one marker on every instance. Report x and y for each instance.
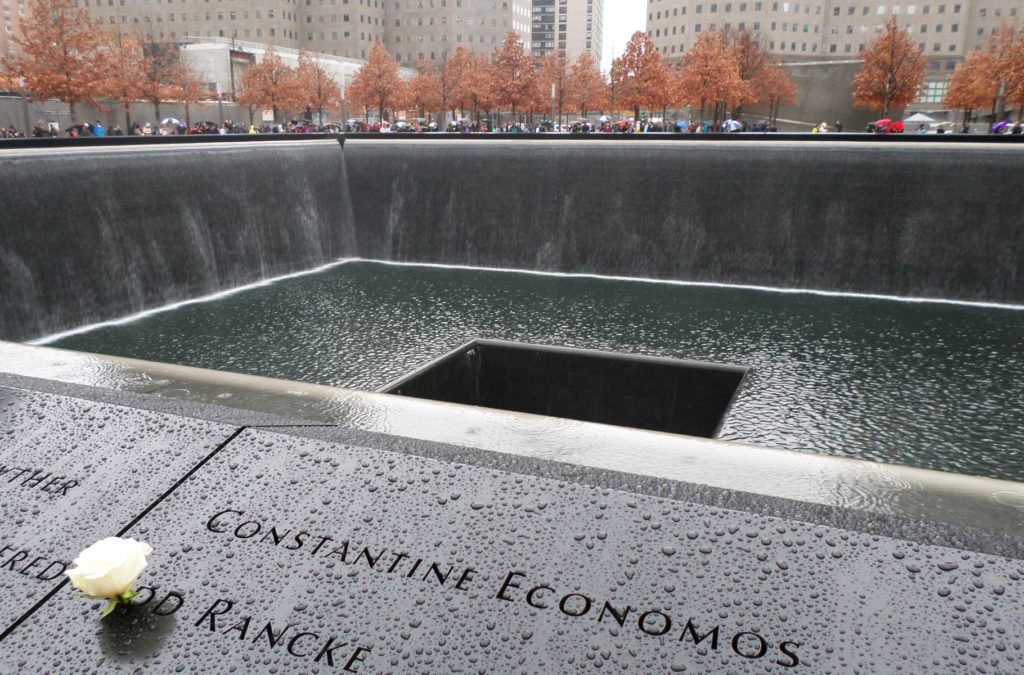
(930, 385)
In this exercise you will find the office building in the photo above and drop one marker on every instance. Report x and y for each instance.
(568, 26)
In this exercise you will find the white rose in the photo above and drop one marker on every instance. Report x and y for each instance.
(108, 568)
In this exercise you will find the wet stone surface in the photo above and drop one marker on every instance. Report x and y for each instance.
(287, 554)
(75, 471)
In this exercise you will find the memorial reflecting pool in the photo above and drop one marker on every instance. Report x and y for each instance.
(923, 384)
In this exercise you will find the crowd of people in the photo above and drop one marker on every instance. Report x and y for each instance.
(173, 127)
(169, 127)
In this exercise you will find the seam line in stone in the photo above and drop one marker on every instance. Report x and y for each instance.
(46, 598)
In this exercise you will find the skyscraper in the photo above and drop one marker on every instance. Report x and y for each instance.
(11, 12)
(428, 30)
(825, 30)
(412, 30)
(832, 29)
(569, 26)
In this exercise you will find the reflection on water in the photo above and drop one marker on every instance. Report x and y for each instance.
(934, 386)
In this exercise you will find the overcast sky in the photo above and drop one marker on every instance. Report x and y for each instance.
(622, 18)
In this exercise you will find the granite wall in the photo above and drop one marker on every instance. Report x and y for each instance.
(95, 234)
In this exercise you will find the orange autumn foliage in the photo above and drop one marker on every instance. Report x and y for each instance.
(639, 76)
(892, 74)
(514, 75)
(710, 76)
(377, 85)
(588, 88)
(315, 88)
(60, 53)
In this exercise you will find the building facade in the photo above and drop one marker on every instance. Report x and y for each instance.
(11, 12)
(945, 30)
(221, 62)
(412, 30)
(569, 26)
(430, 30)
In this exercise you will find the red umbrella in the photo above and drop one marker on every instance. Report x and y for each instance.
(896, 127)
(880, 126)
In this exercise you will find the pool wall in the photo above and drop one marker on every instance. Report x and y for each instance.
(98, 233)
(89, 234)
(895, 219)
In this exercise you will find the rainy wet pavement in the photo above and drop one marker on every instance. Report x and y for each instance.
(73, 472)
(275, 551)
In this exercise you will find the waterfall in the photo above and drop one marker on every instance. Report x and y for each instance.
(92, 235)
(86, 237)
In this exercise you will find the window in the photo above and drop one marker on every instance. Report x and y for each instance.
(934, 92)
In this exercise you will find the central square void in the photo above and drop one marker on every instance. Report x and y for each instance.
(661, 394)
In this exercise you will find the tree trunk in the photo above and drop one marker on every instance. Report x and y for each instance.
(156, 108)
(188, 115)
(127, 116)
(71, 107)
(1000, 108)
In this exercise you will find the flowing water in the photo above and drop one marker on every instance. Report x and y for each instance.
(924, 384)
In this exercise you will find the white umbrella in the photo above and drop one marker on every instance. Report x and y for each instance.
(171, 120)
(920, 118)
